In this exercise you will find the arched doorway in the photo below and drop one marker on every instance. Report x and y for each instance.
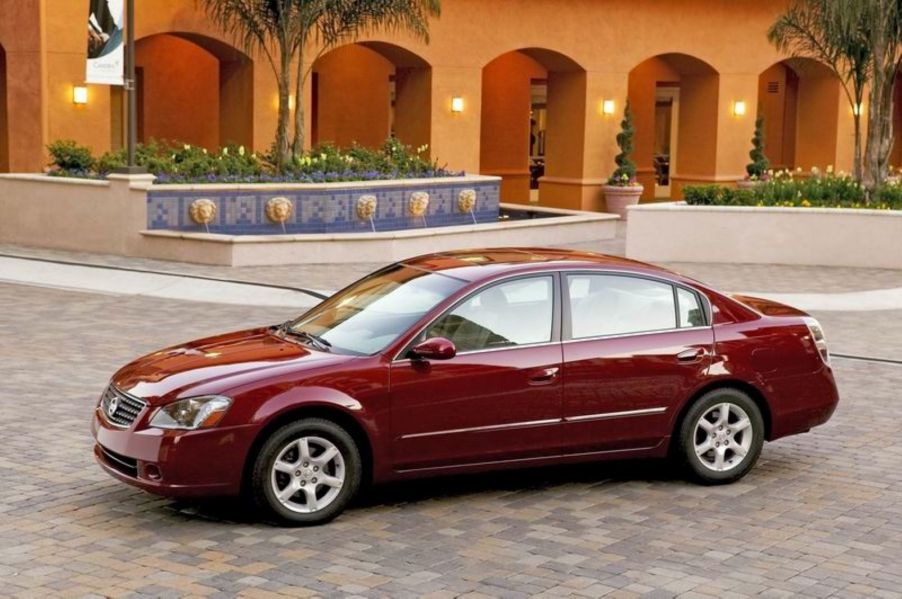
(532, 122)
(4, 116)
(365, 92)
(193, 89)
(674, 100)
(799, 100)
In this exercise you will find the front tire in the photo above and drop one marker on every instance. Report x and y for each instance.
(721, 436)
(306, 472)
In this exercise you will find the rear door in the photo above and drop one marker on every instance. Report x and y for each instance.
(633, 349)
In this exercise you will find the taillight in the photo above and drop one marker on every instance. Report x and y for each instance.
(817, 335)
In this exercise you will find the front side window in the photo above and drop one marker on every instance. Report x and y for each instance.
(373, 312)
(617, 305)
(509, 314)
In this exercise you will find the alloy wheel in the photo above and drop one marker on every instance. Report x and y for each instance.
(723, 437)
(308, 474)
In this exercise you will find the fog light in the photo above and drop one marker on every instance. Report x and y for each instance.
(152, 471)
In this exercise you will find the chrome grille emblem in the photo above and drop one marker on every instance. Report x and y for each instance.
(112, 407)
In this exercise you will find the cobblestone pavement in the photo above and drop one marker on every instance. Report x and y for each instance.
(821, 515)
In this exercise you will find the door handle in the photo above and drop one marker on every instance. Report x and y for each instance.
(544, 375)
(692, 354)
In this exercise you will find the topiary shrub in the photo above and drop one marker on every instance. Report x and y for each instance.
(759, 165)
(625, 173)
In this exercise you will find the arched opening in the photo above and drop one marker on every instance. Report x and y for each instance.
(364, 93)
(194, 89)
(4, 116)
(674, 101)
(532, 122)
(799, 100)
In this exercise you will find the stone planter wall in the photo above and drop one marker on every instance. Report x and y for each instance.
(328, 207)
(676, 232)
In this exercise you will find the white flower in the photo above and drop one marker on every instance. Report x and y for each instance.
(225, 151)
(187, 146)
(829, 169)
(241, 150)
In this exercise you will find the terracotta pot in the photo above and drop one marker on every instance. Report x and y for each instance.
(747, 184)
(618, 197)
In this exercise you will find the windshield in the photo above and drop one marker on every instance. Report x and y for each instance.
(372, 313)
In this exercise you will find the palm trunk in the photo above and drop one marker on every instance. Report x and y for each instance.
(297, 146)
(880, 129)
(856, 157)
(283, 155)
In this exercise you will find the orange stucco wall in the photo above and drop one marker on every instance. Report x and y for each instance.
(583, 45)
(4, 137)
(180, 91)
(504, 127)
(354, 98)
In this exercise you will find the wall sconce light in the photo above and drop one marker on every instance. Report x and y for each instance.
(858, 109)
(608, 107)
(291, 102)
(457, 104)
(79, 95)
(739, 108)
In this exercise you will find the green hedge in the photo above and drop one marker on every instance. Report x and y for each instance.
(822, 191)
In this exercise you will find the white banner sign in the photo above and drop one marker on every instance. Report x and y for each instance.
(106, 55)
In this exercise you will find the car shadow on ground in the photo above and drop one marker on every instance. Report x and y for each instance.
(458, 486)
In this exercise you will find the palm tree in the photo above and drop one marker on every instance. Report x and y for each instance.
(861, 41)
(827, 31)
(284, 30)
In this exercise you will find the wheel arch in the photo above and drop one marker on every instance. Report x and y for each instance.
(328, 412)
(751, 390)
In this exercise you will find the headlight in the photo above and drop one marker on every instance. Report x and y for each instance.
(192, 413)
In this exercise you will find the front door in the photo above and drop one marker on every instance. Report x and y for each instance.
(500, 397)
(634, 349)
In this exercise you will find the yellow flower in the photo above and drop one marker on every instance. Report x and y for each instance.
(806, 203)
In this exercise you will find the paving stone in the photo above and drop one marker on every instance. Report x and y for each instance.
(819, 516)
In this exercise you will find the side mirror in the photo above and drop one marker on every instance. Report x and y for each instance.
(436, 348)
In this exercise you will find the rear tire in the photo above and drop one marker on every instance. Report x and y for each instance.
(721, 436)
(306, 472)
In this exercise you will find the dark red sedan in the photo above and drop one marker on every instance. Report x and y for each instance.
(462, 362)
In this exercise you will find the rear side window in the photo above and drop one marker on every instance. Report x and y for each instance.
(691, 312)
(618, 305)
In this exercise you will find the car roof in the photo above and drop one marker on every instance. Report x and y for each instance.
(480, 264)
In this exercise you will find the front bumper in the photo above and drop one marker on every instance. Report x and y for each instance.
(174, 463)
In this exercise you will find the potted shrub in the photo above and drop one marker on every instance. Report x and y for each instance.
(758, 169)
(622, 189)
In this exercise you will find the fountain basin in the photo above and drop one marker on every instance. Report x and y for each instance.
(523, 226)
(309, 208)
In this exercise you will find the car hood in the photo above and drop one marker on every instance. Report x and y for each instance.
(214, 364)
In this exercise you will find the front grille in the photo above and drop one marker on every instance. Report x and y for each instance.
(124, 464)
(120, 409)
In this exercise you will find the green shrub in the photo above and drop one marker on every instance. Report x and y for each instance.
(625, 173)
(173, 162)
(69, 157)
(785, 189)
(759, 165)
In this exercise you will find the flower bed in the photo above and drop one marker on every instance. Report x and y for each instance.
(788, 189)
(180, 163)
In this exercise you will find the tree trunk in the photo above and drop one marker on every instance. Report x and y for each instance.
(297, 146)
(856, 156)
(880, 130)
(283, 154)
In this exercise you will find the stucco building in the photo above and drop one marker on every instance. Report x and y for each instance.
(517, 88)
